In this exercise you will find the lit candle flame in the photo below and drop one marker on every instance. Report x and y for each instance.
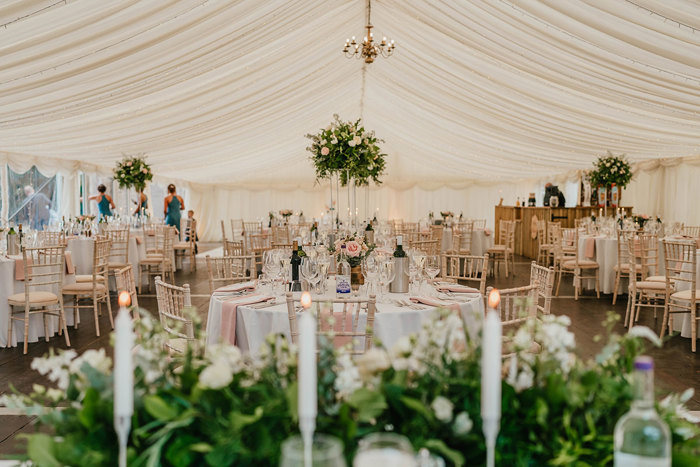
(124, 298)
(494, 299)
(306, 300)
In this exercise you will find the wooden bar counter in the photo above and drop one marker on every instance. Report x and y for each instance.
(526, 242)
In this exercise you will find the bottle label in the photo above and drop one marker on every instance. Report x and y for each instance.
(623, 459)
(342, 284)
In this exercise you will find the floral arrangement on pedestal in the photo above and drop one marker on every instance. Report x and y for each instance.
(356, 249)
(348, 150)
(609, 170)
(223, 408)
(133, 172)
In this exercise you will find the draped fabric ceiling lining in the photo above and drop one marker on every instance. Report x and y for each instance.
(223, 92)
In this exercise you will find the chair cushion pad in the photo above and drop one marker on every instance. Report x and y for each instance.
(35, 298)
(87, 278)
(626, 267)
(651, 285)
(685, 295)
(658, 279)
(582, 263)
(82, 288)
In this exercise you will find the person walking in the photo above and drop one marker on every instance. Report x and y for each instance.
(173, 205)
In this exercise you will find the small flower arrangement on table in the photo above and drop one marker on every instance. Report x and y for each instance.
(85, 218)
(133, 172)
(356, 249)
(286, 213)
(447, 214)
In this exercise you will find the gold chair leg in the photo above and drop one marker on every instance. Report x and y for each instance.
(96, 312)
(617, 284)
(109, 310)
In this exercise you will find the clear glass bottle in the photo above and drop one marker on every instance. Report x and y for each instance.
(642, 439)
(342, 277)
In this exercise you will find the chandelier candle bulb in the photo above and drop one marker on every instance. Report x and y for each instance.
(307, 384)
(123, 374)
(491, 374)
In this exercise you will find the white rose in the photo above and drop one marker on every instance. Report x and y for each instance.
(97, 359)
(372, 362)
(217, 375)
(442, 407)
(351, 143)
(525, 380)
(401, 348)
(463, 424)
(357, 140)
(55, 394)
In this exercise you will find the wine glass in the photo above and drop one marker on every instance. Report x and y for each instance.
(326, 451)
(386, 275)
(309, 271)
(324, 263)
(384, 450)
(370, 271)
(432, 267)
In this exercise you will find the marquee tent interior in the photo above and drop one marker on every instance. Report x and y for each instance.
(481, 101)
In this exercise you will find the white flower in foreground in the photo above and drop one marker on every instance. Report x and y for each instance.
(646, 333)
(401, 347)
(372, 362)
(229, 354)
(97, 359)
(347, 378)
(462, 424)
(55, 394)
(442, 407)
(217, 375)
(351, 143)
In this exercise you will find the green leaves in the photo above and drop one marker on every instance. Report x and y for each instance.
(369, 404)
(159, 409)
(40, 448)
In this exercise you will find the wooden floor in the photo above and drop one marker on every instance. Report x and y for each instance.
(677, 368)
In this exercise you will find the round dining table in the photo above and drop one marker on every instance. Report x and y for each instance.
(396, 316)
(482, 240)
(82, 251)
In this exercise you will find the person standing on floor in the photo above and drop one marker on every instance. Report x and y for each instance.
(173, 205)
(104, 201)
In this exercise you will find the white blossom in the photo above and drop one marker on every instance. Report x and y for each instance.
(442, 407)
(463, 424)
(217, 375)
(646, 333)
(374, 361)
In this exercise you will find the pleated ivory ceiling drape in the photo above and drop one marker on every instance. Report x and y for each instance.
(478, 95)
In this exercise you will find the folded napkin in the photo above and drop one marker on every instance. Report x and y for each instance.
(19, 265)
(487, 232)
(70, 268)
(589, 247)
(138, 239)
(240, 287)
(338, 326)
(456, 288)
(436, 303)
(229, 309)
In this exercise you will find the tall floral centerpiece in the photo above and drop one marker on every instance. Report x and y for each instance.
(610, 174)
(347, 154)
(133, 172)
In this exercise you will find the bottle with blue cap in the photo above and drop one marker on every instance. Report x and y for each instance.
(642, 439)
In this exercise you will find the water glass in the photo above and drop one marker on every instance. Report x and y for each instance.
(384, 450)
(326, 451)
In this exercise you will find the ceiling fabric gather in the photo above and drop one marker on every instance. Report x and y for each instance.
(477, 92)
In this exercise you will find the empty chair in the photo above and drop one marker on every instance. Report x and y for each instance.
(691, 231)
(43, 283)
(429, 247)
(96, 290)
(642, 291)
(436, 234)
(462, 237)
(344, 326)
(233, 248)
(48, 238)
(623, 266)
(187, 245)
(119, 248)
(544, 247)
(281, 234)
(503, 252)
(229, 270)
(159, 264)
(126, 282)
(479, 223)
(681, 295)
(180, 328)
(578, 267)
(544, 278)
(516, 307)
(471, 269)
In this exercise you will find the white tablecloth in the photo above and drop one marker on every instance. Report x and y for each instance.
(10, 286)
(82, 249)
(681, 321)
(390, 321)
(480, 241)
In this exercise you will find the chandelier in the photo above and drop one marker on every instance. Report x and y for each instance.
(368, 49)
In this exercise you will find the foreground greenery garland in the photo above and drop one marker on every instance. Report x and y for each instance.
(225, 409)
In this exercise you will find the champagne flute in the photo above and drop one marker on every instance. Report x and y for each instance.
(309, 271)
(386, 275)
(432, 267)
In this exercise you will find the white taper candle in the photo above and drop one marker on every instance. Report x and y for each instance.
(491, 375)
(307, 385)
(123, 374)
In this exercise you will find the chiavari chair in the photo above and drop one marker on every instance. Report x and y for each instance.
(544, 278)
(180, 328)
(471, 269)
(229, 270)
(681, 263)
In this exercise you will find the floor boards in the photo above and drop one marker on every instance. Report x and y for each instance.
(677, 368)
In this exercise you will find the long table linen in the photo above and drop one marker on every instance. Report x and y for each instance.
(391, 322)
(482, 240)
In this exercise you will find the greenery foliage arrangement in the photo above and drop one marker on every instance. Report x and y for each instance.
(224, 408)
(133, 172)
(611, 169)
(348, 150)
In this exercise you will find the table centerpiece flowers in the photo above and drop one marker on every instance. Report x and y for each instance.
(221, 407)
(611, 171)
(133, 172)
(356, 249)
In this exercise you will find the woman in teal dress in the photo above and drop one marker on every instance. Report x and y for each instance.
(104, 202)
(173, 205)
(141, 204)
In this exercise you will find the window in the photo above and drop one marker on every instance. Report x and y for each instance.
(34, 199)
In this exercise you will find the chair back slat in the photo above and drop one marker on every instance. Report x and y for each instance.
(544, 278)
(229, 270)
(471, 269)
(339, 325)
(517, 305)
(48, 238)
(125, 281)
(171, 300)
(119, 240)
(43, 268)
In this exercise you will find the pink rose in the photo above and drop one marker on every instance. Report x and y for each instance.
(353, 249)
(325, 151)
(144, 171)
